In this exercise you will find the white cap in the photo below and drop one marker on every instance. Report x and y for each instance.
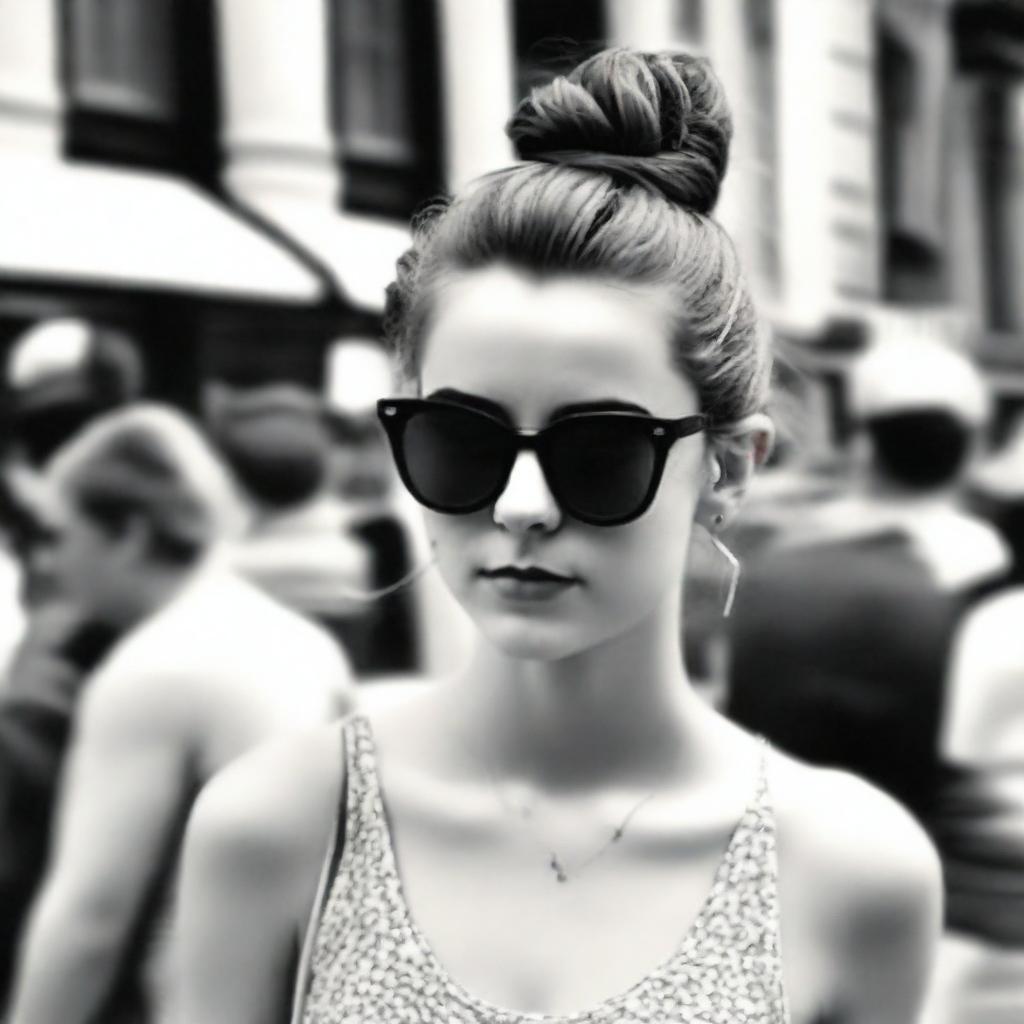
(52, 348)
(358, 373)
(908, 374)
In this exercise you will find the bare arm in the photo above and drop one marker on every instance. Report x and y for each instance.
(877, 885)
(123, 795)
(253, 856)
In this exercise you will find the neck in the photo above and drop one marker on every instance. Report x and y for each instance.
(623, 710)
(152, 592)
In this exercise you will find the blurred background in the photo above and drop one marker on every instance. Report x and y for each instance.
(229, 182)
(202, 202)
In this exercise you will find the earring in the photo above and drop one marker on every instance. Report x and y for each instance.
(734, 568)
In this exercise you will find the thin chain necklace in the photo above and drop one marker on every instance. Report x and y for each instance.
(562, 871)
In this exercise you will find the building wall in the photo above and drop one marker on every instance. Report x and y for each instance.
(805, 199)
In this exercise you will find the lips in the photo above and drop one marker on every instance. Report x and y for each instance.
(527, 574)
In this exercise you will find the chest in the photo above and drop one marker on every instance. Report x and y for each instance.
(506, 930)
(645, 932)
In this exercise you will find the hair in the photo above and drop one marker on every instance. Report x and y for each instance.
(921, 449)
(148, 462)
(276, 442)
(623, 160)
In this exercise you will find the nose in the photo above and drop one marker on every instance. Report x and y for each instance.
(527, 502)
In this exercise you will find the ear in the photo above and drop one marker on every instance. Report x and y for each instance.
(730, 464)
(133, 541)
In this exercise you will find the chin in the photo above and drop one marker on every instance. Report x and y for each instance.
(536, 638)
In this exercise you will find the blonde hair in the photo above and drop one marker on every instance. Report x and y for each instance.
(148, 461)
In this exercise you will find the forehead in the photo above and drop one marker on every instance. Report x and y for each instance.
(537, 344)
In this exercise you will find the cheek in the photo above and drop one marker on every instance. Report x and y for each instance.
(454, 542)
(652, 551)
(645, 562)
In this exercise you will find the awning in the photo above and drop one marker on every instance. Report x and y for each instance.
(359, 251)
(89, 224)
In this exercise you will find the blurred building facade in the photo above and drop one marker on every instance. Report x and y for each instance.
(230, 180)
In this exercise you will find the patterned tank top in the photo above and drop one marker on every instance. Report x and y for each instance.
(365, 960)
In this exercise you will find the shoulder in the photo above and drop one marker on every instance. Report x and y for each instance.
(135, 689)
(989, 637)
(863, 871)
(229, 628)
(983, 537)
(267, 819)
(267, 620)
(992, 617)
(862, 845)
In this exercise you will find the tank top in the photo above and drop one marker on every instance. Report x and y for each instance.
(365, 959)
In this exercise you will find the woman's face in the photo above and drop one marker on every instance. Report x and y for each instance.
(535, 348)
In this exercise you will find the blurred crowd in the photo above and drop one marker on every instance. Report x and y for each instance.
(176, 588)
(877, 630)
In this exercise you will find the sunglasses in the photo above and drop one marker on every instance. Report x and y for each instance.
(603, 468)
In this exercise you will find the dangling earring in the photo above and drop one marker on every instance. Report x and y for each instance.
(734, 567)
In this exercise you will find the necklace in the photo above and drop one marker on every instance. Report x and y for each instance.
(562, 871)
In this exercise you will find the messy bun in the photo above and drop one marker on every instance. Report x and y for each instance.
(659, 120)
(623, 163)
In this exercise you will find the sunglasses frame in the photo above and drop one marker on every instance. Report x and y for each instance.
(395, 414)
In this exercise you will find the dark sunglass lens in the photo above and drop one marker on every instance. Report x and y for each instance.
(453, 457)
(603, 465)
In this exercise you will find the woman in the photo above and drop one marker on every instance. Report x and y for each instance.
(565, 832)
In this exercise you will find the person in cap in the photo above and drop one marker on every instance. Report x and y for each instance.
(58, 375)
(920, 410)
(979, 821)
(842, 635)
(275, 441)
(206, 667)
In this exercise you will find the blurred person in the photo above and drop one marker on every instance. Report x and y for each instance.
(207, 667)
(275, 441)
(979, 820)
(996, 491)
(843, 629)
(357, 373)
(58, 375)
(12, 612)
(37, 707)
(416, 629)
(565, 830)
(920, 411)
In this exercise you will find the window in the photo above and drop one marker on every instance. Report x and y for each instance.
(386, 102)
(120, 56)
(552, 36)
(689, 25)
(140, 84)
(374, 111)
(911, 206)
(1001, 145)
